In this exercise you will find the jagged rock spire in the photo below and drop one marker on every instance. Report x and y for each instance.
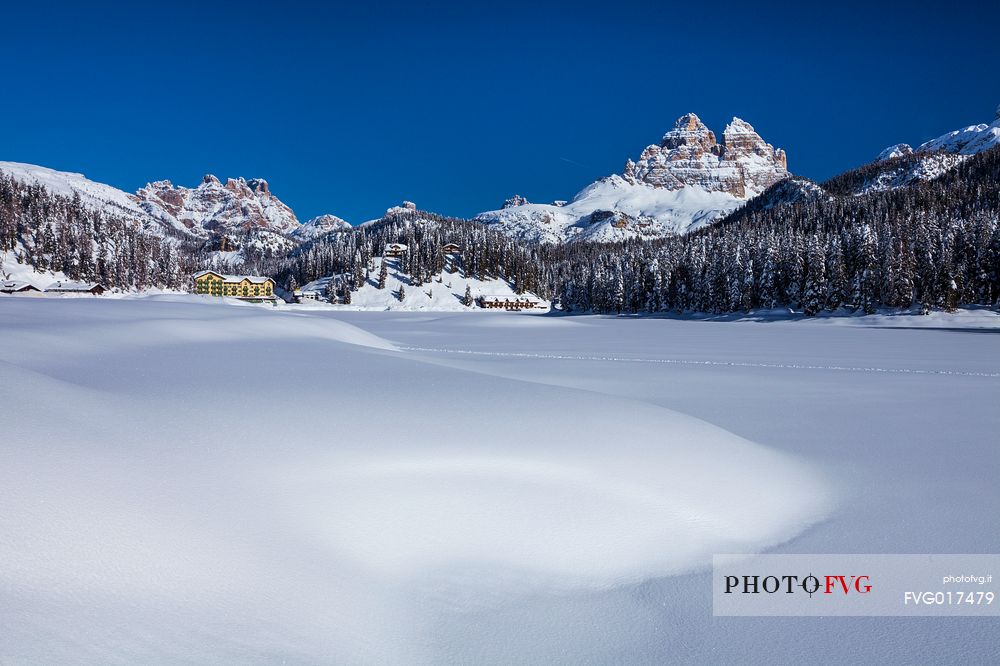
(743, 164)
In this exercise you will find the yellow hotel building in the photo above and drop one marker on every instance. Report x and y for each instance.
(249, 287)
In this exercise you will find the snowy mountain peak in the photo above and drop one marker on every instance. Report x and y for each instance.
(965, 141)
(897, 150)
(259, 185)
(212, 208)
(319, 226)
(738, 126)
(742, 143)
(742, 165)
(516, 200)
(687, 181)
(688, 131)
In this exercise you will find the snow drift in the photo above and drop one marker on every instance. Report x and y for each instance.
(199, 481)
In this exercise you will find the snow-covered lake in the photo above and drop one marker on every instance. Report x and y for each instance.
(191, 481)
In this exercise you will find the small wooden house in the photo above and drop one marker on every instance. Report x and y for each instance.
(246, 287)
(16, 287)
(70, 287)
(395, 249)
(451, 248)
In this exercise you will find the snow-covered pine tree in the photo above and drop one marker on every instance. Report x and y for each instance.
(383, 274)
(814, 293)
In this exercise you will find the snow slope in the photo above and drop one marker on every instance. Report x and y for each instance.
(12, 269)
(93, 194)
(932, 158)
(189, 480)
(966, 141)
(899, 410)
(647, 212)
(905, 172)
(443, 294)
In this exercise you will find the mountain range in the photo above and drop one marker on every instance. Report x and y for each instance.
(686, 181)
(237, 210)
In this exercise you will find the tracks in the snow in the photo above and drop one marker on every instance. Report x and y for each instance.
(697, 362)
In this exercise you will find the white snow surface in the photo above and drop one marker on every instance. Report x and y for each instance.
(12, 269)
(189, 479)
(653, 212)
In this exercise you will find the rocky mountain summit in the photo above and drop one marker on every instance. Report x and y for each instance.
(686, 181)
(212, 208)
(742, 164)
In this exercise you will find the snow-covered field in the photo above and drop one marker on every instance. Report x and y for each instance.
(186, 480)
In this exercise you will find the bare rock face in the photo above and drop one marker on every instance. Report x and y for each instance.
(213, 209)
(743, 164)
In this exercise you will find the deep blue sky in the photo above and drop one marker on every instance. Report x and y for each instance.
(350, 109)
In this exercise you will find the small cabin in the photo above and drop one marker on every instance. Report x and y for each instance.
(311, 294)
(319, 289)
(451, 248)
(395, 249)
(16, 287)
(314, 291)
(70, 287)
(246, 287)
(513, 303)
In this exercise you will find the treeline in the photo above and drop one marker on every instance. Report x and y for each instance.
(58, 233)
(486, 253)
(935, 244)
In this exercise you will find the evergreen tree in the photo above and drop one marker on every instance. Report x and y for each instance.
(814, 296)
(383, 274)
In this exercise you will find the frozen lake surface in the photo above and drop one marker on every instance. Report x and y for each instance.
(190, 481)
